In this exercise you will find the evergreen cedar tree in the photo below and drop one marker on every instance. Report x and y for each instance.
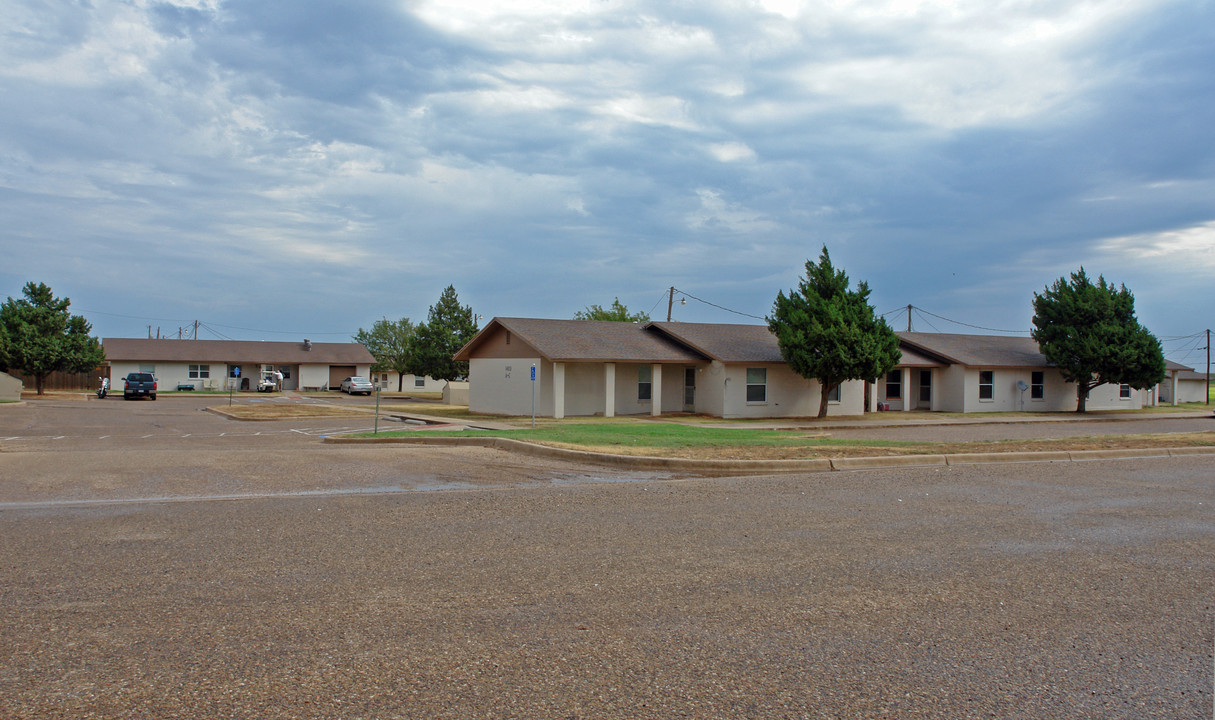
(617, 313)
(1091, 334)
(38, 336)
(449, 326)
(830, 333)
(391, 343)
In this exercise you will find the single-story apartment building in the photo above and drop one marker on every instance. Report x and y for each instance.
(586, 367)
(390, 380)
(988, 373)
(1183, 384)
(736, 371)
(235, 364)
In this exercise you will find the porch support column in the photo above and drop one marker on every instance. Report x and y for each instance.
(1175, 374)
(873, 395)
(609, 389)
(907, 389)
(558, 390)
(933, 389)
(655, 390)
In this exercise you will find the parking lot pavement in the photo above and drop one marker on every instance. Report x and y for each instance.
(192, 573)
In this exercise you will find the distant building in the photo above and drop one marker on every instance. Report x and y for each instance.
(239, 364)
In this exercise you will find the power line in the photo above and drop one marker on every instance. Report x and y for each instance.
(719, 307)
(977, 327)
(921, 313)
(280, 332)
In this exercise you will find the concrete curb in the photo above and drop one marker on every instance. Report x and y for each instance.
(724, 467)
(1008, 457)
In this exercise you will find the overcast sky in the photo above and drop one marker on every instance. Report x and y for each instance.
(281, 170)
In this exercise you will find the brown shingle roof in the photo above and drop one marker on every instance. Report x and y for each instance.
(978, 350)
(914, 358)
(586, 341)
(278, 353)
(724, 342)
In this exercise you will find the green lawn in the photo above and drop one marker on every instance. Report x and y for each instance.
(655, 435)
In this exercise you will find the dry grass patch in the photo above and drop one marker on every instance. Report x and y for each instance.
(286, 412)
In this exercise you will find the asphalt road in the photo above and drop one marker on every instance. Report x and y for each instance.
(163, 562)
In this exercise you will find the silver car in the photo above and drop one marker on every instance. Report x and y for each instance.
(357, 384)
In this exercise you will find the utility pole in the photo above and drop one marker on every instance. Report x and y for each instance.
(195, 330)
(1208, 366)
(908, 317)
(671, 301)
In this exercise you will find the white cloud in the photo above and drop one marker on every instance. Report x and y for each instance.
(732, 151)
(1183, 250)
(715, 213)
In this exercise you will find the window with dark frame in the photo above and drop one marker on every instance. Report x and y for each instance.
(200, 371)
(1124, 391)
(894, 385)
(645, 386)
(419, 381)
(833, 395)
(987, 385)
(1037, 385)
(757, 385)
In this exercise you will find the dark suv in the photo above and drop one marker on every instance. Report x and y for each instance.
(139, 384)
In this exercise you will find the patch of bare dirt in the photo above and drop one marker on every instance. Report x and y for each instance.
(286, 412)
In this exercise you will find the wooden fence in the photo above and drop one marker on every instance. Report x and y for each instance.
(64, 381)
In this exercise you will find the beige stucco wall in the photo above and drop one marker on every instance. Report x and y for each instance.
(788, 394)
(312, 376)
(390, 380)
(1192, 391)
(455, 393)
(503, 386)
(1060, 396)
(10, 388)
(1187, 390)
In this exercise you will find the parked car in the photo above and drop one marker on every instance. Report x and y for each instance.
(138, 384)
(356, 384)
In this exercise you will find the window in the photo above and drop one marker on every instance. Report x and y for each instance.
(419, 381)
(1124, 391)
(757, 385)
(894, 384)
(644, 384)
(200, 371)
(833, 395)
(987, 385)
(234, 371)
(508, 337)
(1037, 385)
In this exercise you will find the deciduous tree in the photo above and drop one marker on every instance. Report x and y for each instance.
(1090, 332)
(829, 332)
(449, 326)
(390, 342)
(617, 312)
(38, 336)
